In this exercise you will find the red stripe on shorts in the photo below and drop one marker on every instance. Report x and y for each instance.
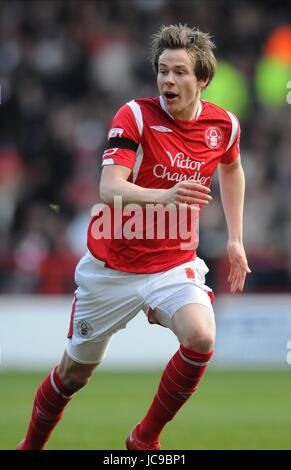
(211, 296)
(152, 322)
(70, 332)
(190, 273)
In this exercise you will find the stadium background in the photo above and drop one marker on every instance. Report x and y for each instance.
(65, 68)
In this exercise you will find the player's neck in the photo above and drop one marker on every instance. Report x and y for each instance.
(189, 113)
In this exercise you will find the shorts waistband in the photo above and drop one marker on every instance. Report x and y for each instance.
(97, 261)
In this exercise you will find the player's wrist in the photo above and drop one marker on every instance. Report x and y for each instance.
(160, 196)
(237, 239)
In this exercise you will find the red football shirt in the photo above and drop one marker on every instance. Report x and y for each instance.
(165, 151)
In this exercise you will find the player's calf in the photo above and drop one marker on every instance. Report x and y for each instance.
(53, 395)
(194, 326)
(73, 375)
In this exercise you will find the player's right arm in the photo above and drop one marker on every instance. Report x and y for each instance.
(114, 183)
(118, 162)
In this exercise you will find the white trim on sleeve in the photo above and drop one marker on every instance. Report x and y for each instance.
(234, 125)
(135, 108)
(108, 161)
(139, 159)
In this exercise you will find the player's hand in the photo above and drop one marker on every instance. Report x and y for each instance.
(188, 192)
(238, 266)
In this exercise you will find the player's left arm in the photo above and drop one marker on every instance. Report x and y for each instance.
(232, 190)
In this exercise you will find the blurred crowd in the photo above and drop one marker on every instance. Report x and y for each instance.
(66, 66)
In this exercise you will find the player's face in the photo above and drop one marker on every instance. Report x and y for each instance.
(178, 84)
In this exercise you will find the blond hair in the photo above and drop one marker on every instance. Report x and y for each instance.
(197, 44)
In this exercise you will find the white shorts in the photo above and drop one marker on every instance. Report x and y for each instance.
(107, 299)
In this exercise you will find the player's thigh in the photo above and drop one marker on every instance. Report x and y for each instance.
(105, 301)
(189, 314)
(189, 306)
(87, 353)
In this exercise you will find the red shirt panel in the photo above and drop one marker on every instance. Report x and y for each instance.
(169, 150)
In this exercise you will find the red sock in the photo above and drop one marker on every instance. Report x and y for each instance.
(179, 380)
(49, 403)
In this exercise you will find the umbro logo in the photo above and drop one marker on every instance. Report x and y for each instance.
(161, 129)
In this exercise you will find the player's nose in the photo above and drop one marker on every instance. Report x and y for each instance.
(170, 79)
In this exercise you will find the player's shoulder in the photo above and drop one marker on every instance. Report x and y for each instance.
(139, 108)
(214, 112)
(142, 103)
(148, 103)
(141, 111)
(133, 115)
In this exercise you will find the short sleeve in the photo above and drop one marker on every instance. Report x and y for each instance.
(124, 136)
(232, 150)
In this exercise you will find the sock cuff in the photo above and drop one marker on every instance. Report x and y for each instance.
(195, 357)
(57, 384)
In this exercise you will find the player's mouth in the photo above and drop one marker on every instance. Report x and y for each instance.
(170, 96)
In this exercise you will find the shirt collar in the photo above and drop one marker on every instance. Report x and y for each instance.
(164, 107)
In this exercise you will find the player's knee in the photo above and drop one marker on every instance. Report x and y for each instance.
(200, 341)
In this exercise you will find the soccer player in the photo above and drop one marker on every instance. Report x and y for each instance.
(161, 151)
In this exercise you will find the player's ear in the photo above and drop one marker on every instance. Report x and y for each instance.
(202, 84)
